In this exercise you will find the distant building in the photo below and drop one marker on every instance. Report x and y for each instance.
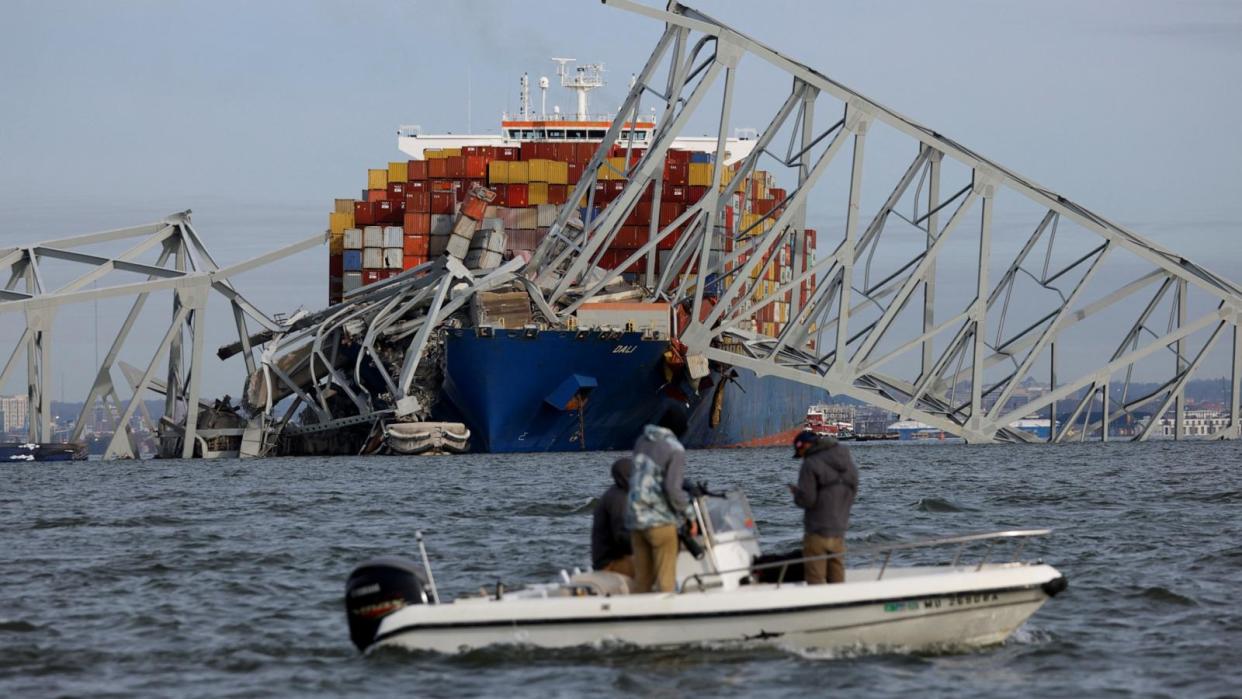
(1198, 423)
(913, 429)
(14, 411)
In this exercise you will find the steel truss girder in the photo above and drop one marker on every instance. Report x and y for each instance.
(985, 407)
(184, 266)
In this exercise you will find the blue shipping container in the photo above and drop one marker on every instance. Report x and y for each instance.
(352, 260)
(700, 157)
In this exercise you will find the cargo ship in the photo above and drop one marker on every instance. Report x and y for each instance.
(520, 385)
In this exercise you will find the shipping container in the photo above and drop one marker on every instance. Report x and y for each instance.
(519, 172)
(344, 206)
(377, 179)
(351, 281)
(558, 194)
(418, 202)
(442, 203)
(373, 237)
(374, 195)
(700, 174)
(352, 239)
(351, 260)
(372, 258)
(437, 169)
(338, 222)
(516, 194)
(412, 261)
(336, 243)
(392, 236)
(456, 166)
(536, 193)
(417, 224)
(441, 224)
(397, 172)
(416, 245)
(388, 211)
(393, 258)
(415, 170)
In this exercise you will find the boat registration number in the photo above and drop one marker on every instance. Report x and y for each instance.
(961, 600)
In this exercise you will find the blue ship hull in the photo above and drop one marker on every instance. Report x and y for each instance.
(570, 391)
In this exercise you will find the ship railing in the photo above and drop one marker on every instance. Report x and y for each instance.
(1018, 537)
(570, 116)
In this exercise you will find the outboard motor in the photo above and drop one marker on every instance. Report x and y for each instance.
(378, 588)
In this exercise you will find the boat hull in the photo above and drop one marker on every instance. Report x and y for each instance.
(508, 388)
(933, 612)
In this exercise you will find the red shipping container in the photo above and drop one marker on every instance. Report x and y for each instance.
(336, 265)
(442, 185)
(810, 239)
(456, 165)
(475, 167)
(437, 168)
(396, 191)
(416, 186)
(558, 193)
(416, 170)
(777, 194)
(640, 215)
(412, 261)
(681, 157)
(385, 212)
(471, 150)
(417, 202)
(694, 194)
(529, 151)
(676, 192)
(417, 224)
(670, 240)
(508, 153)
(669, 211)
(574, 170)
(764, 206)
(364, 213)
(616, 187)
(416, 244)
(375, 194)
(473, 207)
(442, 203)
(460, 191)
(370, 276)
(516, 195)
(676, 173)
(583, 151)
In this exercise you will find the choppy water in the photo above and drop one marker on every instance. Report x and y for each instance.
(225, 578)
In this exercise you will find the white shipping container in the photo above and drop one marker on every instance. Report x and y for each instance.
(441, 224)
(545, 215)
(353, 239)
(373, 237)
(373, 258)
(393, 257)
(483, 259)
(392, 236)
(457, 246)
(465, 227)
(351, 281)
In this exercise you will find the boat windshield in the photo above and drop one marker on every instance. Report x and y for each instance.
(731, 513)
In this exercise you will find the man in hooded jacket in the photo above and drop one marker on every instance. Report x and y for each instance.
(610, 538)
(827, 485)
(657, 502)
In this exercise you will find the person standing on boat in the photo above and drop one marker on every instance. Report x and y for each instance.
(611, 548)
(657, 502)
(827, 484)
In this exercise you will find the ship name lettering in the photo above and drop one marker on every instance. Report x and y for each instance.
(624, 349)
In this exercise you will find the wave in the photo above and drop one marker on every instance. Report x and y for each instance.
(551, 509)
(17, 625)
(939, 505)
(1165, 595)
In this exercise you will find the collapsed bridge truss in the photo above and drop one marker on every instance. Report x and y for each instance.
(875, 328)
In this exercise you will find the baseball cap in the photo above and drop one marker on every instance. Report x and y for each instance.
(804, 437)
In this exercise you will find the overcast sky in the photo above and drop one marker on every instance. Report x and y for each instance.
(257, 114)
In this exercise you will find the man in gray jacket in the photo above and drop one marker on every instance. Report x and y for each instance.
(827, 484)
(657, 502)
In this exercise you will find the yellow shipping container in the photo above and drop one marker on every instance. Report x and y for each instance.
(618, 164)
(538, 170)
(450, 152)
(338, 222)
(519, 172)
(498, 172)
(700, 174)
(434, 153)
(336, 243)
(344, 206)
(398, 172)
(537, 193)
(558, 172)
(377, 179)
(604, 173)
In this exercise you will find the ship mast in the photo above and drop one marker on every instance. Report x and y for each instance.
(584, 79)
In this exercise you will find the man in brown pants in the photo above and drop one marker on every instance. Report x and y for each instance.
(657, 502)
(827, 484)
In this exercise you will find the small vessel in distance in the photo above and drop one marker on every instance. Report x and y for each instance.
(44, 451)
(727, 595)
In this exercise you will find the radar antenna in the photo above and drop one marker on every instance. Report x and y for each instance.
(583, 79)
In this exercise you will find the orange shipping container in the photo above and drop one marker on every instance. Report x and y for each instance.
(417, 224)
(416, 170)
(475, 167)
(418, 245)
(412, 261)
(377, 194)
(437, 168)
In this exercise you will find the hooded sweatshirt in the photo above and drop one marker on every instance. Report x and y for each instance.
(827, 484)
(610, 539)
(656, 496)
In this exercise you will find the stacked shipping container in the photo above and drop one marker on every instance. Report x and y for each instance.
(405, 216)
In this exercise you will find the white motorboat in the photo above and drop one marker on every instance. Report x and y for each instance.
(729, 594)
